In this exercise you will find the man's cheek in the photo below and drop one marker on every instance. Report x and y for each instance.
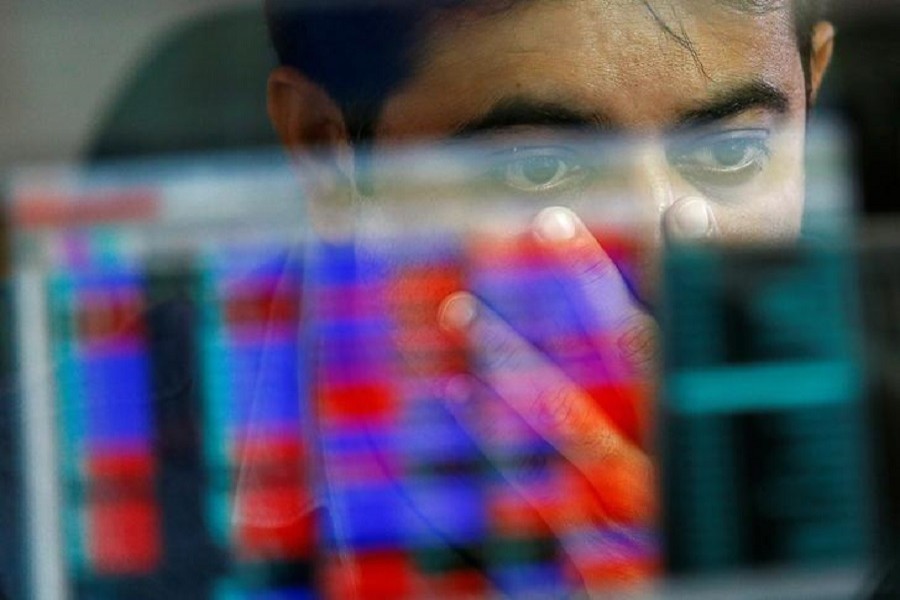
(776, 218)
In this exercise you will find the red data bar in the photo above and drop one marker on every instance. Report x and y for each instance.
(262, 306)
(123, 516)
(53, 209)
(110, 319)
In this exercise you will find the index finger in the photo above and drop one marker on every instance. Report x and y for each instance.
(556, 408)
(604, 297)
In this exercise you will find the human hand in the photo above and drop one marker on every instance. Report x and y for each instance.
(599, 499)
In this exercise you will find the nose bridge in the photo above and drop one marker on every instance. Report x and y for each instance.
(650, 177)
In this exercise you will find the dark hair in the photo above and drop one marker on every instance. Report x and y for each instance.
(357, 53)
(360, 50)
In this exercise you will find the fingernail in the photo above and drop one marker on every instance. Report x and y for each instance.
(556, 224)
(692, 218)
(457, 312)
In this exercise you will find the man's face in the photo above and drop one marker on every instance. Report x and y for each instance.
(718, 113)
(708, 102)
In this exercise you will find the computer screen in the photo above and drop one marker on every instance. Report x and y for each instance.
(223, 398)
(448, 299)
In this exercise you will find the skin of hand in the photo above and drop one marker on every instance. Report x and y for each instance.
(613, 479)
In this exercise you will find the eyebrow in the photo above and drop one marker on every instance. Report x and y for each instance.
(730, 103)
(522, 111)
(525, 112)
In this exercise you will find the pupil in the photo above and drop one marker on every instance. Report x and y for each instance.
(541, 170)
(729, 153)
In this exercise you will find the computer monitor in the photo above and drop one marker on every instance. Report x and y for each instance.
(221, 398)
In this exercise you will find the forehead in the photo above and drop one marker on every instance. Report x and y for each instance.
(640, 63)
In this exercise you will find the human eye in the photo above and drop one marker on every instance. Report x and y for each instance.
(725, 159)
(537, 170)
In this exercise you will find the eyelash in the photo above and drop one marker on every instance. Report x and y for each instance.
(694, 158)
(509, 169)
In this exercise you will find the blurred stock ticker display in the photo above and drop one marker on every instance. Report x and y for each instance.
(220, 404)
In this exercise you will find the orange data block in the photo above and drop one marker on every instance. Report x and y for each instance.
(125, 534)
(375, 576)
(263, 307)
(512, 515)
(429, 353)
(523, 249)
(125, 467)
(269, 452)
(625, 405)
(468, 583)
(616, 244)
(428, 284)
(275, 523)
(108, 318)
(48, 208)
(273, 505)
(357, 403)
(506, 251)
(616, 572)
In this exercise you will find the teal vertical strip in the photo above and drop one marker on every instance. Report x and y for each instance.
(691, 322)
(215, 400)
(712, 523)
(70, 416)
(218, 507)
